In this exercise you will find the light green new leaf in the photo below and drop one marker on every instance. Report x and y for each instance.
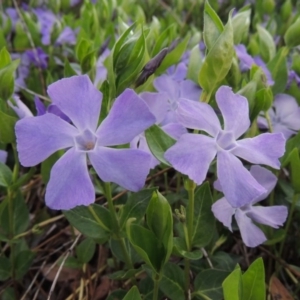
(266, 44)
(232, 285)
(133, 294)
(240, 24)
(292, 35)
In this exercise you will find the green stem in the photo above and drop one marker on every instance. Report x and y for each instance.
(156, 280)
(288, 223)
(92, 211)
(269, 121)
(190, 211)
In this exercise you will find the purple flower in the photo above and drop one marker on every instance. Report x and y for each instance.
(101, 71)
(193, 153)
(273, 216)
(38, 57)
(293, 76)
(67, 36)
(3, 156)
(70, 184)
(247, 61)
(20, 108)
(22, 71)
(284, 115)
(13, 15)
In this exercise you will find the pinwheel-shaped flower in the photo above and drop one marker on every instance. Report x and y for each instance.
(273, 216)
(70, 184)
(193, 153)
(284, 115)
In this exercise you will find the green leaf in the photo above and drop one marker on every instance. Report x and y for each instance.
(164, 39)
(278, 69)
(292, 143)
(136, 206)
(263, 102)
(180, 249)
(85, 250)
(7, 127)
(295, 169)
(82, 219)
(5, 59)
(5, 268)
(5, 175)
(253, 281)
(240, 25)
(7, 80)
(204, 220)
(68, 70)
(218, 61)
(213, 26)
(208, 284)
(172, 283)
(266, 44)
(146, 245)
(159, 142)
(83, 48)
(105, 106)
(133, 294)
(47, 165)
(292, 35)
(23, 262)
(195, 63)
(232, 285)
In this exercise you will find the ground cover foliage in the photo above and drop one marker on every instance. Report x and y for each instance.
(149, 149)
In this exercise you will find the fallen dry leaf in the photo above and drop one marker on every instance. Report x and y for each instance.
(103, 289)
(278, 291)
(66, 273)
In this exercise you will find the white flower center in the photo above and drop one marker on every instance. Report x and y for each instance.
(225, 140)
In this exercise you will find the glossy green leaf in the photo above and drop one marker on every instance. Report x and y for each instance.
(5, 175)
(232, 285)
(5, 268)
(5, 59)
(133, 294)
(195, 63)
(293, 142)
(204, 220)
(240, 24)
(253, 281)
(173, 282)
(7, 128)
(180, 249)
(83, 220)
(136, 206)
(292, 35)
(213, 26)
(266, 44)
(85, 250)
(249, 91)
(23, 262)
(159, 142)
(295, 169)
(7, 80)
(164, 39)
(263, 101)
(68, 70)
(208, 284)
(218, 61)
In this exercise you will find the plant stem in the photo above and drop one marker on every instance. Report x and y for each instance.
(156, 280)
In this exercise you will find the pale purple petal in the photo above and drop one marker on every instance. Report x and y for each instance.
(192, 155)
(273, 216)
(198, 115)
(67, 36)
(234, 109)
(287, 133)
(3, 156)
(165, 83)
(39, 105)
(246, 60)
(20, 109)
(78, 99)
(39, 137)
(264, 149)
(262, 122)
(252, 236)
(126, 167)
(53, 109)
(223, 211)
(190, 90)
(128, 117)
(264, 67)
(157, 103)
(70, 184)
(179, 72)
(284, 105)
(265, 178)
(175, 130)
(238, 185)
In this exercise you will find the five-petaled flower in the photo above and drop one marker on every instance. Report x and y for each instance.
(70, 183)
(193, 153)
(273, 216)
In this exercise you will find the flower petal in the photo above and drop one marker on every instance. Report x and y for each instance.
(175, 130)
(157, 103)
(234, 109)
(192, 155)
(264, 149)
(190, 90)
(223, 211)
(252, 236)
(128, 117)
(238, 185)
(39, 137)
(126, 167)
(70, 184)
(265, 178)
(165, 83)
(78, 99)
(284, 105)
(198, 115)
(273, 216)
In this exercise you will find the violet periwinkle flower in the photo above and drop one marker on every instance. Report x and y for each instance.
(273, 216)
(70, 184)
(67, 36)
(21, 110)
(193, 153)
(38, 57)
(176, 90)
(247, 61)
(293, 77)
(284, 115)
(22, 71)
(3, 156)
